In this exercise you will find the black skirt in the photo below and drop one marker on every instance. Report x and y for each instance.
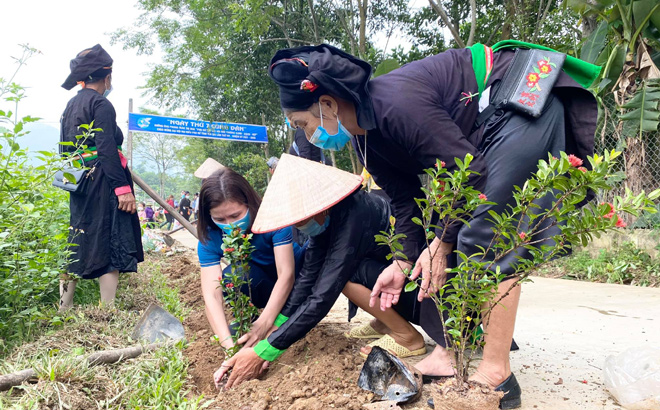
(103, 238)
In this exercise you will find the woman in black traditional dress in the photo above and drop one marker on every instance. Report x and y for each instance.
(403, 122)
(105, 230)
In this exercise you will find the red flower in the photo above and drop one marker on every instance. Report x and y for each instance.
(532, 78)
(442, 164)
(244, 235)
(230, 250)
(531, 84)
(229, 285)
(583, 169)
(575, 161)
(522, 235)
(545, 69)
(309, 86)
(611, 213)
(620, 223)
(483, 197)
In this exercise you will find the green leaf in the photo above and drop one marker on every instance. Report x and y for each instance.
(644, 112)
(615, 62)
(410, 286)
(595, 43)
(386, 66)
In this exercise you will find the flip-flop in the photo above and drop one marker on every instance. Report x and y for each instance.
(388, 343)
(363, 332)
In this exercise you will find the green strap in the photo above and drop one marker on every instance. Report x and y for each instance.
(479, 65)
(267, 352)
(582, 72)
(280, 320)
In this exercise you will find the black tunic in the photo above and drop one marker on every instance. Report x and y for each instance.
(331, 260)
(420, 118)
(104, 238)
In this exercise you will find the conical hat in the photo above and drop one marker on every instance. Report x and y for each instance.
(207, 168)
(299, 189)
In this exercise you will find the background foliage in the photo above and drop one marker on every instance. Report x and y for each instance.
(34, 221)
(216, 55)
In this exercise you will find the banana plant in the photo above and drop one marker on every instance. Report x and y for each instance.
(643, 108)
(626, 43)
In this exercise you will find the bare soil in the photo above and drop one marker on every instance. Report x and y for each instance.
(318, 372)
(469, 396)
(203, 354)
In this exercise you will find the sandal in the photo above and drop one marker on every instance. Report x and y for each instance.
(363, 332)
(388, 343)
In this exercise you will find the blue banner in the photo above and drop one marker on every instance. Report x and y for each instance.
(186, 127)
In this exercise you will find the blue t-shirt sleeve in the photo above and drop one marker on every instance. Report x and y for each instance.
(283, 236)
(209, 254)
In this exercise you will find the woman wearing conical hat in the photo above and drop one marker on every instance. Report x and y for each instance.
(341, 220)
(227, 201)
(401, 123)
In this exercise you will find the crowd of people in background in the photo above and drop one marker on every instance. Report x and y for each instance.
(158, 217)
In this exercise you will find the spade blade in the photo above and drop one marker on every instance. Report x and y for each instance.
(389, 378)
(156, 324)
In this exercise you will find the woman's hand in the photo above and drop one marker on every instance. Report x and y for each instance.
(389, 285)
(246, 366)
(435, 256)
(127, 203)
(259, 331)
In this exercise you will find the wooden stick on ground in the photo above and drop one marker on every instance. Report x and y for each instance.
(7, 381)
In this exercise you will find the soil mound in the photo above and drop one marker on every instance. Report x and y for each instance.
(318, 372)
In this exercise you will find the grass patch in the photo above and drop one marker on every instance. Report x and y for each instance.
(155, 380)
(626, 265)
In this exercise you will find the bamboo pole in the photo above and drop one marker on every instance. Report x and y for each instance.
(154, 195)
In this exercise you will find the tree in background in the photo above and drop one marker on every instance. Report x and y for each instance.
(158, 152)
(624, 38)
(216, 55)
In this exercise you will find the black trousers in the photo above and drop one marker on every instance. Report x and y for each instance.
(512, 146)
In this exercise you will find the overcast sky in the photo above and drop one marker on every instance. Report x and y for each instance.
(60, 29)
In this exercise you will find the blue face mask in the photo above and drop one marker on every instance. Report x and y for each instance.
(242, 223)
(107, 91)
(313, 228)
(335, 142)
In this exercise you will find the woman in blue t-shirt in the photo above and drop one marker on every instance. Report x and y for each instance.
(227, 201)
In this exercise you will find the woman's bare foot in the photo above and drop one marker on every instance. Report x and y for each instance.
(379, 326)
(438, 363)
(492, 376)
(411, 340)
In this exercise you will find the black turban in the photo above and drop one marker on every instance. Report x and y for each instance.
(305, 73)
(89, 64)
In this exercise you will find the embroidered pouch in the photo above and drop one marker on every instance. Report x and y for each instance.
(528, 82)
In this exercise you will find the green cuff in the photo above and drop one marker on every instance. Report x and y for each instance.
(280, 320)
(267, 352)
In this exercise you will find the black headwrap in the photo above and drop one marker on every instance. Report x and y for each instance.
(94, 64)
(305, 73)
